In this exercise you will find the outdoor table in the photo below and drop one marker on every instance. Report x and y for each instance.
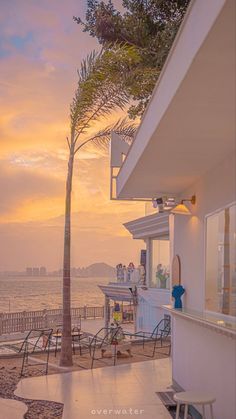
(76, 334)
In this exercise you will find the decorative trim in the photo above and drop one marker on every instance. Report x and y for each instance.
(155, 225)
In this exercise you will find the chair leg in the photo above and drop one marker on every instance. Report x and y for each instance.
(203, 412)
(48, 353)
(177, 411)
(211, 410)
(115, 355)
(186, 411)
(23, 365)
(154, 348)
(80, 346)
(93, 357)
(55, 353)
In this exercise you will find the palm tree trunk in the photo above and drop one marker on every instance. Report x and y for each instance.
(66, 343)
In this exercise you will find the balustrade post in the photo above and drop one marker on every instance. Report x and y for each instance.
(23, 322)
(85, 312)
(45, 318)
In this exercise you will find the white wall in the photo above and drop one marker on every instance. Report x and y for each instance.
(213, 191)
(149, 309)
(203, 359)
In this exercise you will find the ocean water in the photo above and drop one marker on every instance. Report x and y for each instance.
(37, 293)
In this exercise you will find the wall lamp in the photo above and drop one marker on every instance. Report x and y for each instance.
(182, 209)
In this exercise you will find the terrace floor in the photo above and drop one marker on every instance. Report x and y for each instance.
(122, 390)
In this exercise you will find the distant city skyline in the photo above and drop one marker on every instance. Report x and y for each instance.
(41, 270)
(100, 269)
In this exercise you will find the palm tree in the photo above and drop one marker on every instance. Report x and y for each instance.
(100, 91)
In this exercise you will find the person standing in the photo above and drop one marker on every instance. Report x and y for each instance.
(130, 271)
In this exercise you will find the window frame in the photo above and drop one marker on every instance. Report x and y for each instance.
(213, 313)
(159, 238)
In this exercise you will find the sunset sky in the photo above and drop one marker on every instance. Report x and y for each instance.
(40, 50)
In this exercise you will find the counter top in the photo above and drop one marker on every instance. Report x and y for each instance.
(205, 319)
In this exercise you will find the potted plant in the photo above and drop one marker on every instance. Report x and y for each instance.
(162, 275)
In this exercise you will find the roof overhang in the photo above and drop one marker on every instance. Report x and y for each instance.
(117, 292)
(189, 125)
(155, 225)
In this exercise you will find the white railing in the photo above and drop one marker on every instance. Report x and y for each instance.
(27, 320)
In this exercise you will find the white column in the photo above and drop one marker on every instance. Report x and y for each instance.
(107, 311)
(148, 261)
(135, 318)
(171, 238)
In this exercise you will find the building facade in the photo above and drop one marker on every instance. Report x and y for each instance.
(184, 147)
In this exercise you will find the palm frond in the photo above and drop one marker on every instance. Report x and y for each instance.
(101, 86)
(87, 65)
(101, 139)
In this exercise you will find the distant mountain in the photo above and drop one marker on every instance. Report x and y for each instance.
(96, 270)
(101, 269)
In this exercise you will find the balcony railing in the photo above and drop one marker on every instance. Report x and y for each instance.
(27, 320)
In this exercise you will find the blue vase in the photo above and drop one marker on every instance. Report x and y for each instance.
(177, 292)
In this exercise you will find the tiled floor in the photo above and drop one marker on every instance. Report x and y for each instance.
(120, 391)
(12, 409)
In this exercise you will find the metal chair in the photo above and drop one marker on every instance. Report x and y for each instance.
(161, 333)
(107, 337)
(36, 341)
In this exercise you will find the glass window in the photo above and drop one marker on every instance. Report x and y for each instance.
(160, 277)
(220, 293)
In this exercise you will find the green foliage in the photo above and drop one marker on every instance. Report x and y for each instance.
(101, 90)
(147, 25)
(101, 139)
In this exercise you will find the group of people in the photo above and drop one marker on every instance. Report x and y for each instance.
(130, 273)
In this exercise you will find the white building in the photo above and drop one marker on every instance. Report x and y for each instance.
(154, 230)
(185, 146)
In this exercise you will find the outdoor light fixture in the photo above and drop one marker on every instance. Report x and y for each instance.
(169, 204)
(181, 208)
(163, 204)
(158, 204)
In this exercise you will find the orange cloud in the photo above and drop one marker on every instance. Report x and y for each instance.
(40, 51)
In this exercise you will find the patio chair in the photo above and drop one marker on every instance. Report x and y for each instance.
(36, 341)
(105, 338)
(160, 334)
